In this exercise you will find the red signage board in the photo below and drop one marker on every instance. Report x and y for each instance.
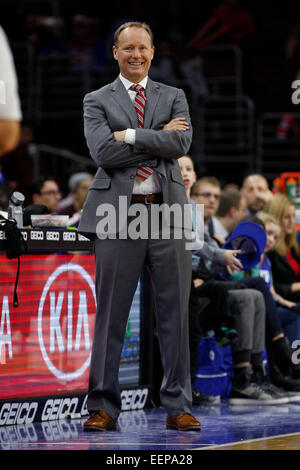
(45, 343)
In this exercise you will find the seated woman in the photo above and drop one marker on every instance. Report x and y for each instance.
(285, 258)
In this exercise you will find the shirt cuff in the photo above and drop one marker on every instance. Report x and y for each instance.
(130, 136)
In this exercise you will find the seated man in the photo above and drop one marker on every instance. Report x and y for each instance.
(45, 191)
(255, 188)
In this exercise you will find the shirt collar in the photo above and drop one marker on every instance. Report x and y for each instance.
(127, 83)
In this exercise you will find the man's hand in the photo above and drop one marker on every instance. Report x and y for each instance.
(263, 195)
(119, 135)
(198, 282)
(295, 287)
(176, 124)
(232, 262)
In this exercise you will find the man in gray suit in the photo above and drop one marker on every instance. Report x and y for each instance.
(136, 129)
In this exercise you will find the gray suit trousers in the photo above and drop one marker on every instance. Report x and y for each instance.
(119, 264)
(248, 309)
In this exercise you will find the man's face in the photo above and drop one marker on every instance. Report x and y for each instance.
(209, 195)
(255, 191)
(49, 196)
(134, 53)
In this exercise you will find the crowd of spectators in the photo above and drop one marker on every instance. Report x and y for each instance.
(274, 281)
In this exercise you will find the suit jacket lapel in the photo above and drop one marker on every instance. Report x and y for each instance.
(152, 95)
(122, 98)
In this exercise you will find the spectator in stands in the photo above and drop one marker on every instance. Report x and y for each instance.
(10, 107)
(45, 191)
(231, 210)
(273, 230)
(285, 258)
(278, 347)
(229, 23)
(79, 184)
(216, 304)
(207, 191)
(288, 310)
(255, 189)
(188, 173)
(83, 45)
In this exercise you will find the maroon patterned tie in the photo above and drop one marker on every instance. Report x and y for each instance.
(139, 104)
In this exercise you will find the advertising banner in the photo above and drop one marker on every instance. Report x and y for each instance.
(45, 343)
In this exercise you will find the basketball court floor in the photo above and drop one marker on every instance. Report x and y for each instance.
(224, 427)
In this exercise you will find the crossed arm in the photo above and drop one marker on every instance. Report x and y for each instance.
(176, 124)
(109, 150)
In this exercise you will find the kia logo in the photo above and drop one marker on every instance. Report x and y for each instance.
(65, 321)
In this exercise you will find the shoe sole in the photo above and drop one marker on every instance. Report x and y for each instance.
(96, 428)
(294, 398)
(253, 401)
(191, 428)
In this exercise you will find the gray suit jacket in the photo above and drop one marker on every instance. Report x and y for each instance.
(110, 109)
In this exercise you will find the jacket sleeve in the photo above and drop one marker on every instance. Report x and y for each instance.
(281, 276)
(210, 250)
(104, 149)
(167, 144)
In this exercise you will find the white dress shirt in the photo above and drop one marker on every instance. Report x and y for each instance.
(151, 184)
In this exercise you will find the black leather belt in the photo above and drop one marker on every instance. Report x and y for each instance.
(155, 198)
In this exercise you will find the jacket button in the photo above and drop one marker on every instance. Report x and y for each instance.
(132, 176)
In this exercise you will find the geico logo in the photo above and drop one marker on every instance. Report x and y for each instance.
(37, 235)
(136, 418)
(52, 236)
(69, 236)
(134, 399)
(18, 413)
(84, 409)
(59, 408)
(64, 429)
(10, 435)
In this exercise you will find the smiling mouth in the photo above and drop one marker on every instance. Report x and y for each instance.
(136, 64)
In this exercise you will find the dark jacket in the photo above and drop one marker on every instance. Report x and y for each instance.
(283, 275)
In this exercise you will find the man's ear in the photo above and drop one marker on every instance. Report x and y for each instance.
(114, 50)
(153, 49)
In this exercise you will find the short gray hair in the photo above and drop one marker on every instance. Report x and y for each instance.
(132, 24)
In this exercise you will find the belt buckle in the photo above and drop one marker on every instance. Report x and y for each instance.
(146, 198)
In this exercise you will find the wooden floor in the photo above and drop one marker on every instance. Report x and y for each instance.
(223, 427)
(283, 442)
